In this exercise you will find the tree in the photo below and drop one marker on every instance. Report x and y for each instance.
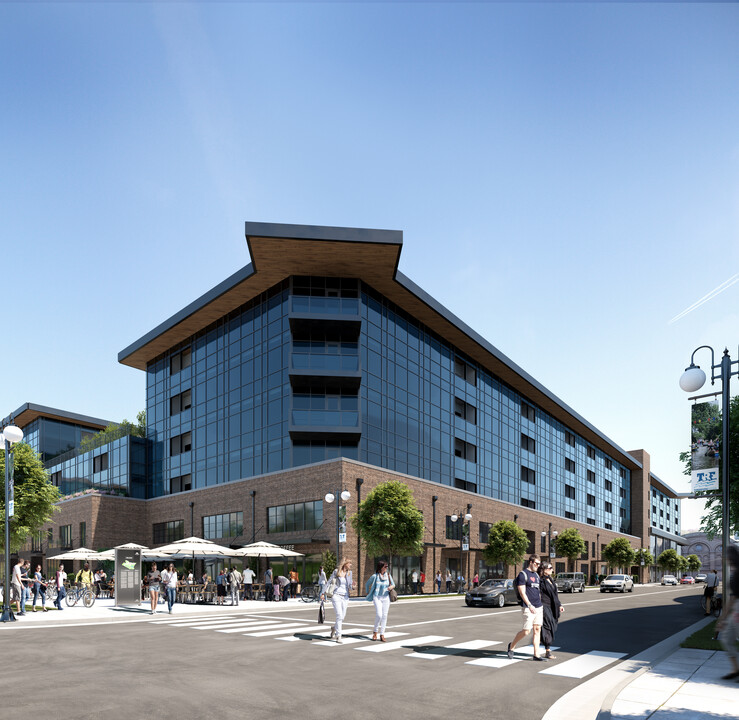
(644, 559)
(619, 553)
(712, 521)
(694, 563)
(113, 431)
(569, 544)
(328, 560)
(507, 544)
(389, 521)
(35, 496)
(682, 564)
(668, 560)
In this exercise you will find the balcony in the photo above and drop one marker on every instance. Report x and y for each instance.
(328, 424)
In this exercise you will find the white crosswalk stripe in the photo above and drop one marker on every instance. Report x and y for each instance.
(350, 638)
(584, 665)
(449, 650)
(252, 628)
(204, 618)
(286, 629)
(497, 662)
(409, 643)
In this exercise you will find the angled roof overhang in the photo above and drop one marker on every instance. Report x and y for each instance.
(29, 412)
(664, 488)
(279, 251)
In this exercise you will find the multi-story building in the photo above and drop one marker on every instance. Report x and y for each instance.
(320, 366)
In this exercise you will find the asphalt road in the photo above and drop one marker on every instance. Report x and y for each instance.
(183, 668)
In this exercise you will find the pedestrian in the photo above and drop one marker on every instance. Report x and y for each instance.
(220, 587)
(283, 583)
(321, 580)
(527, 586)
(39, 588)
(421, 581)
(234, 582)
(460, 582)
(378, 593)
(341, 582)
(268, 586)
(248, 584)
(475, 581)
(728, 623)
(438, 581)
(154, 579)
(169, 580)
(25, 584)
(294, 577)
(448, 581)
(709, 590)
(552, 608)
(414, 581)
(190, 578)
(61, 591)
(16, 587)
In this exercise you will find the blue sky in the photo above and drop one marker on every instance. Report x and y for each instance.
(566, 177)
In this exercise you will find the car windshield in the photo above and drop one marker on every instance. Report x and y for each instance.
(493, 583)
(565, 576)
(615, 577)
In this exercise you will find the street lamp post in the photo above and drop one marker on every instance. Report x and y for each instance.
(10, 435)
(329, 498)
(434, 499)
(462, 519)
(551, 535)
(692, 380)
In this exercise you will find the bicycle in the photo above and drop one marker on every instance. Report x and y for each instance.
(716, 604)
(310, 593)
(51, 591)
(84, 593)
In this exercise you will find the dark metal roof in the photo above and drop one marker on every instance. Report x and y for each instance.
(27, 413)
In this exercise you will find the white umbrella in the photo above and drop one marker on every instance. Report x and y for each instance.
(82, 553)
(265, 549)
(146, 553)
(195, 547)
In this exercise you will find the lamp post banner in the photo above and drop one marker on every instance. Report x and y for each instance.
(342, 524)
(705, 445)
(11, 486)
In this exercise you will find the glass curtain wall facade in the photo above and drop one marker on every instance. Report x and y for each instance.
(50, 438)
(664, 512)
(318, 368)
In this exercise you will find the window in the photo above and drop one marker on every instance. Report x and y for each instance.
(609, 463)
(453, 529)
(590, 521)
(661, 513)
(295, 517)
(609, 507)
(543, 547)
(180, 443)
(465, 371)
(180, 483)
(528, 443)
(100, 463)
(180, 402)
(591, 452)
(56, 478)
(50, 537)
(180, 361)
(569, 515)
(591, 500)
(228, 525)
(465, 450)
(528, 475)
(485, 532)
(609, 486)
(608, 526)
(465, 411)
(465, 485)
(528, 503)
(654, 493)
(622, 512)
(591, 476)
(167, 532)
(528, 411)
(570, 492)
(65, 536)
(569, 465)
(570, 438)
(622, 472)
(593, 548)
(83, 534)
(622, 492)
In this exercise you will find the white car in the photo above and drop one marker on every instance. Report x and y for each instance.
(617, 583)
(669, 580)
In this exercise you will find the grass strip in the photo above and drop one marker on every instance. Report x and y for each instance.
(703, 639)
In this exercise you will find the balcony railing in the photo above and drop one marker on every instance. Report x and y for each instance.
(325, 418)
(306, 361)
(324, 305)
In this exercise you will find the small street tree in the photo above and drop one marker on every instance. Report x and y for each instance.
(619, 554)
(35, 496)
(328, 560)
(644, 559)
(569, 544)
(682, 564)
(667, 560)
(507, 544)
(694, 563)
(389, 521)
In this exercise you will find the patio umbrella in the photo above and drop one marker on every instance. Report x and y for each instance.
(82, 553)
(195, 547)
(146, 553)
(265, 549)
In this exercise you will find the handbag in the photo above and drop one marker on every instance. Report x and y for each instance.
(321, 613)
(392, 594)
(332, 585)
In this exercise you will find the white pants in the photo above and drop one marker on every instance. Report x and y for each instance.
(339, 602)
(382, 605)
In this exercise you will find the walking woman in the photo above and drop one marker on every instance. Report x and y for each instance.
(39, 588)
(728, 624)
(379, 593)
(154, 578)
(169, 580)
(552, 608)
(341, 580)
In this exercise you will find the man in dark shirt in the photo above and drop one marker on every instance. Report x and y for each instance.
(527, 586)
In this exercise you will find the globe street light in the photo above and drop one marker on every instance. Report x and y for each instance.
(329, 498)
(9, 436)
(462, 519)
(692, 380)
(551, 535)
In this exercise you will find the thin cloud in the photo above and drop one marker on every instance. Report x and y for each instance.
(709, 296)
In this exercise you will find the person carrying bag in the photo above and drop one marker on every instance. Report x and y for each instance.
(338, 590)
(379, 588)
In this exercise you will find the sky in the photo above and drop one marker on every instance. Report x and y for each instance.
(566, 177)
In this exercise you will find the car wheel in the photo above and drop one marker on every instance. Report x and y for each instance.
(500, 601)
(602, 591)
(467, 602)
(631, 589)
(623, 589)
(582, 588)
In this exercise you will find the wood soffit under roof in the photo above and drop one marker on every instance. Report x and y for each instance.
(275, 259)
(26, 417)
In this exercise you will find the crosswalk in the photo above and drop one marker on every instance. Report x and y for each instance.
(486, 653)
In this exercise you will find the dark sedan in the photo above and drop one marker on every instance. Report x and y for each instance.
(493, 592)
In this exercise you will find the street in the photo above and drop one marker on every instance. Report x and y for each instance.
(441, 658)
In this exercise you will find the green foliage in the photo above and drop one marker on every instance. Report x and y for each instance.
(507, 544)
(712, 521)
(694, 563)
(113, 431)
(668, 560)
(682, 564)
(328, 560)
(389, 521)
(619, 553)
(35, 497)
(642, 556)
(569, 544)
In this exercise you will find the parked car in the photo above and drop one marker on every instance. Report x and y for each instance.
(617, 583)
(493, 592)
(570, 582)
(701, 577)
(688, 580)
(669, 580)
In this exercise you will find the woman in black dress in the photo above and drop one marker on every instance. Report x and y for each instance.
(552, 608)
